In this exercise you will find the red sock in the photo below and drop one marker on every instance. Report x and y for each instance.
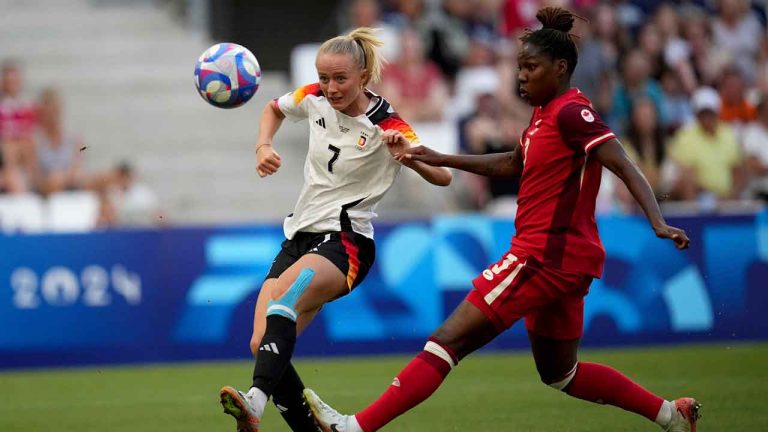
(420, 378)
(604, 385)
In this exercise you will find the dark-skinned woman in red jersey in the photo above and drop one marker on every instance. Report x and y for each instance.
(554, 255)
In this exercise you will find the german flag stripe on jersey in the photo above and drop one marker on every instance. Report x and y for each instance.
(394, 121)
(354, 260)
(301, 92)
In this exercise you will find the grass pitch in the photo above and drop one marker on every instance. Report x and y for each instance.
(487, 392)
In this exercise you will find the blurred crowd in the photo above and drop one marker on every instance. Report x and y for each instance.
(683, 83)
(40, 156)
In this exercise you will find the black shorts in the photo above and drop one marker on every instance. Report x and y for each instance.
(352, 253)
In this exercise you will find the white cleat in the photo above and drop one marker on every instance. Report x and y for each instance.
(327, 418)
(239, 405)
(685, 416)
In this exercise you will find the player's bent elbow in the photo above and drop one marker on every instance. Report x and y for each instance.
(444, 179)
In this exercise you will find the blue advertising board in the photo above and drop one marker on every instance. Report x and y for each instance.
(189, 293)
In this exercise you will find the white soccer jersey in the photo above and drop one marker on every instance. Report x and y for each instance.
(348, 168)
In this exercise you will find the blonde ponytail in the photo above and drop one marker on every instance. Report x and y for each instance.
(362, 44)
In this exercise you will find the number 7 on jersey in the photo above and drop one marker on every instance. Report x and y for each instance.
(335, 156)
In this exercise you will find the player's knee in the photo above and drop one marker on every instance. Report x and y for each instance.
(286, 305)
(561, 382)
(442, 351)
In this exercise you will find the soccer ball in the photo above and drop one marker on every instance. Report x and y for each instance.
(227, 75)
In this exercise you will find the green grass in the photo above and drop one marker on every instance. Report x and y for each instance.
(498, 392)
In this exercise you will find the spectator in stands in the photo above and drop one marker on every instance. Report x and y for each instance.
(756, 152)
(447, 41)
(415, 84)
(705, 59)
(761, 72)
(645, 141)
(649, 41)
(636, 83)
(707, 154)
(132, 202)
(677, 104)
(677, 51)
(516, 16)
(367, 13)
(489, 130)
(736, 31)
(58, 152)
(17, 124)
(595, 73)
(735, 108)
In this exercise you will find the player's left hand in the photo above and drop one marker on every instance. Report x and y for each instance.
(675, 234)
(395, 141)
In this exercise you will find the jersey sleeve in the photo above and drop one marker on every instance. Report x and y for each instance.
(394, 121)
(582, 128)
(294, 104)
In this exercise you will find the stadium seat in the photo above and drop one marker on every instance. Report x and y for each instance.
(440, 136)
(303, 64)
(21, 213)
(72, 211)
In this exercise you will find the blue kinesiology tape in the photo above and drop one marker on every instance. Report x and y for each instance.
(286, 305)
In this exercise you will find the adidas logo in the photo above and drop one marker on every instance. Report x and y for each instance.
(321, 122)
(396, 382)
(281, 408)
(271, 347)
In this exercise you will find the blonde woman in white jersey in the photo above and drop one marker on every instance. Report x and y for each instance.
(329, 246)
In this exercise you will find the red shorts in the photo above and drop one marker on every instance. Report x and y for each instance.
(551, 301)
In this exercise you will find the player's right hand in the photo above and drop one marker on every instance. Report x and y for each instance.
(675, 234)
(267, 160)
(422, 154)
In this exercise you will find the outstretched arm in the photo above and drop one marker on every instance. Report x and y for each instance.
(612, 156)
(507, 164)
(267, 159)
(397, 142)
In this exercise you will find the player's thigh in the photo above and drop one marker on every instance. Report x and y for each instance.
(555, 330)
(327, 283)
(466, 330)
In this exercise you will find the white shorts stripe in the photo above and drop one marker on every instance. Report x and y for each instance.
(598, 140)
(496, 292)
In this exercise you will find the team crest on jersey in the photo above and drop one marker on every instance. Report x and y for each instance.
(587, 115)
(362, 140)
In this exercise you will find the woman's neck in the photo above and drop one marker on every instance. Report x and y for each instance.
(359, 106)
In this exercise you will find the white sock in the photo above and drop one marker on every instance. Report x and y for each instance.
(353, 425)
(664, 417)
(258, 400)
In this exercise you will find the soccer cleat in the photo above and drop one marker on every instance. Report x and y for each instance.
(685, 416)
(327, 418)
(238, 405)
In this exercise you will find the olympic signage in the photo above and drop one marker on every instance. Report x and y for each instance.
(189, 293)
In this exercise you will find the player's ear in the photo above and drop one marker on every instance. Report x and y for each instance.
(562, 67)
(363, 78)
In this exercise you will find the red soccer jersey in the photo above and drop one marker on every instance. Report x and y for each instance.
(555, 220)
